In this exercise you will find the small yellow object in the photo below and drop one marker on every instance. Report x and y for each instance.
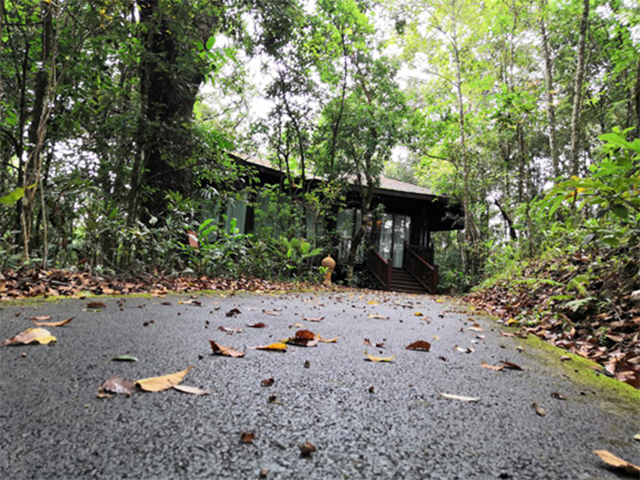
(165, 382)
(330, 264)
(326, 340)
(380, 359)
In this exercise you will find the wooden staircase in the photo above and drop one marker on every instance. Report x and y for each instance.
(418, 276)
(403, 281)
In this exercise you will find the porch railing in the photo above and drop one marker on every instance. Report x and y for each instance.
(380, 267)
(426, 273)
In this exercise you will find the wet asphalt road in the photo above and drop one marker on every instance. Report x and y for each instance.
(53, 426)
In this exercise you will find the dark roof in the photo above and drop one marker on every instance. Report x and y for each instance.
(385, 183)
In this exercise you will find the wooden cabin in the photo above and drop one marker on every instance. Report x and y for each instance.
(399, 249)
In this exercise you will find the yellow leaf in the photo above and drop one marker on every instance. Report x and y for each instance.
(275, 347)
(380, 359)
(165, 382)
(31, 335)
(418, 314)
(512, 321)
(439, 300)
(610, 459)
(326, 340)
(372, 302)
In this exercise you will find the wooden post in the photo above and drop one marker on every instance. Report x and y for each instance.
(389, 269)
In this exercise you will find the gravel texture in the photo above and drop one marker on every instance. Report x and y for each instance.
(52, 425)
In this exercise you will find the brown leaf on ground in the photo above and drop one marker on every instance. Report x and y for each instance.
(557, 395)
(311, 319)
(164, 382)
(491, 367)
(510, 365)
(273, 313)
(565, 358)
(617, 462)
(40, 318)
(54, 324)
(476, 327)
(375, 316)
(225, 351)
(306, 449)
(267, 382)
(29, 336)
(367, 342)
(539, 410)
(420, 345)
(190, 390)
(303, 338)
(115, 384)
(257, 325)
(273, 347)
(507, 334)
(233, 312)
(96, 305)
(247, 437)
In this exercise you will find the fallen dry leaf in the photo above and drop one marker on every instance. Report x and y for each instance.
(507, 334)
(115, 384)
(463, 350)
(557, 395)
(510, 365)
(326, 340)
(225, 351)
(491, 367)
(190, 390)
(380, 359)
(418, 314)
(420, 345)
(565, 358)
(273, 313)
(96, 305)
(273, 347)
(367, 342)
(233, 312)
(303, 338)
(267, 382)
(377, 317)
(459, 397)
(476, 327)
(247, 437)
(372, 302)
(54, 324)
(311, 319)
(31, 335)
(257, 325)
(613, 461)
(307, 448)
(230, 330)
(40, 318)
(165, 382)
(436, 338)
(539, 410)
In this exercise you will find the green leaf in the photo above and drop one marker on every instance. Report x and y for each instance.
(13, 197)
(210, 42)
(620, 210)
(125, 358)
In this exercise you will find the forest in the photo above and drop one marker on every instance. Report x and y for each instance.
(118, 119)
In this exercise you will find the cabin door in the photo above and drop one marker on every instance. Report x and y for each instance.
(394, 230)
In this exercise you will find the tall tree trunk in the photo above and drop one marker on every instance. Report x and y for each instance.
(548, 77)
(31, 178)
(577, 91)
(168, 96)
(637, 100)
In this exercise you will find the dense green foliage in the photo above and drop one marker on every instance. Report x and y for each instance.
(115, 118)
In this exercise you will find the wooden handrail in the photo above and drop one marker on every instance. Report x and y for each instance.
(380, 268)
(424, 272)
(420, 259)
